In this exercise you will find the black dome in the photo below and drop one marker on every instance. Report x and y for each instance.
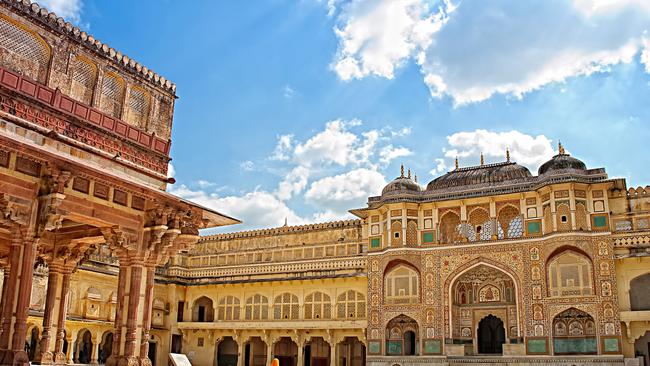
(490, 173)
(560, 162)
(400, 185)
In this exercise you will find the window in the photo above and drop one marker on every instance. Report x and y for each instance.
(351, 304)
(203, 311)
(318, 306)
(257, 307)
(402, 285)
(180, 311)
(201, 316)
(639, 294)
(138, 107)
(112, 94)
(22, 50)
(286, 306)
(511, 222)
(570, 275)
(84, 74)
(449, 228)
(228, 308)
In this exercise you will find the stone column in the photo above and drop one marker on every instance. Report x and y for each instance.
(5, 283)
(95, 350)
(333, 353)
(59, 357)
(49, 336)
(14, 327)
(300, 361)
(241, 349)
(69, 353)
(270, 343)
(146, 317)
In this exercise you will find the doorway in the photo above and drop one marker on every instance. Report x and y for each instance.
(491, 335)
(152, 353)
(409, 343)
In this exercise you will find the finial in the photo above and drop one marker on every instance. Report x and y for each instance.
(482, 159)
(560, 148)
(402, 171)
(286, 223)
(409, 176)
(456, 162)
(507, 155)
(416, 178)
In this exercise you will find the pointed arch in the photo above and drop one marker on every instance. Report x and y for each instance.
(569, 273)
(449, 228)
(22, 50)
(318, 305)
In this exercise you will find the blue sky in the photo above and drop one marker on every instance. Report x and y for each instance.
(302, 109)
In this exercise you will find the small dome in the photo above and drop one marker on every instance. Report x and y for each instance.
(561, 161)
(401, 185)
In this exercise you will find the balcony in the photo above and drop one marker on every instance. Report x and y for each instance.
(86, 126)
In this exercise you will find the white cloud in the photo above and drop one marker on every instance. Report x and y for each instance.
(527, 150)
(341, 192)
(247, 166)
(293, 183)
(645, 55)
(68, 9)
(378, 36)
(283, 148)
(515, 47)
(289, 92)
(390, 153)
(258, 209)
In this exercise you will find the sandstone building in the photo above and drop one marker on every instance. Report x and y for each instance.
(488, 263)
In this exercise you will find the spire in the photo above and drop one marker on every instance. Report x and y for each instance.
(409, 176)
(560, 148)
(482, 159)
(416, 178)
(286, 223)
(456, 162)
(402, 171)
(507, 155)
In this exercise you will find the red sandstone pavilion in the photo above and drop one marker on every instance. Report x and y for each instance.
(84, 150)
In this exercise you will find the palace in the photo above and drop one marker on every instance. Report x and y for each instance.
(486, 264)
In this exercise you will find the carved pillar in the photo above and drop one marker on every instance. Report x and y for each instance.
(69, 353)
(146, 321)
(95, 350)
(59, 357)
(5, 283)
(241, 348)
(12, 340)
(47, 341)
(333, 353)
(300, 361)
(270, 343)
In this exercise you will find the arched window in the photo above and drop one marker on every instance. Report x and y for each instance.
(563, 217)
(228, 308)
(84, 74)
(318, 306)
(639, 294)
(203, 310)
(581, 216)
(411, 233)
(286, 306)
(510, 222)
(22, 50)
(449, 225)
(402, 285)
(351, 304)
(480, 225)
(574, 332)
(138, 107)
(570, 274)
(257, 307)
(548, 219)
(396, 233)
(112, 94)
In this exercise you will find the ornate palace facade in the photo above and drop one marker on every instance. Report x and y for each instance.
(488, 263)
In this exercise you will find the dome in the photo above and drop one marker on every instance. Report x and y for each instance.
(561, 161)
(489, 173)
(401, 185)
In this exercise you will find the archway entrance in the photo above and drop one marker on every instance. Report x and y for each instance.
(317, 352)
(106, 347)
(255, 352)
(491, 335)
(484, 309)
(227, 352)
(32, 344)
(84, 346)
(402, 336)
(351, 352)
(286, 351)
